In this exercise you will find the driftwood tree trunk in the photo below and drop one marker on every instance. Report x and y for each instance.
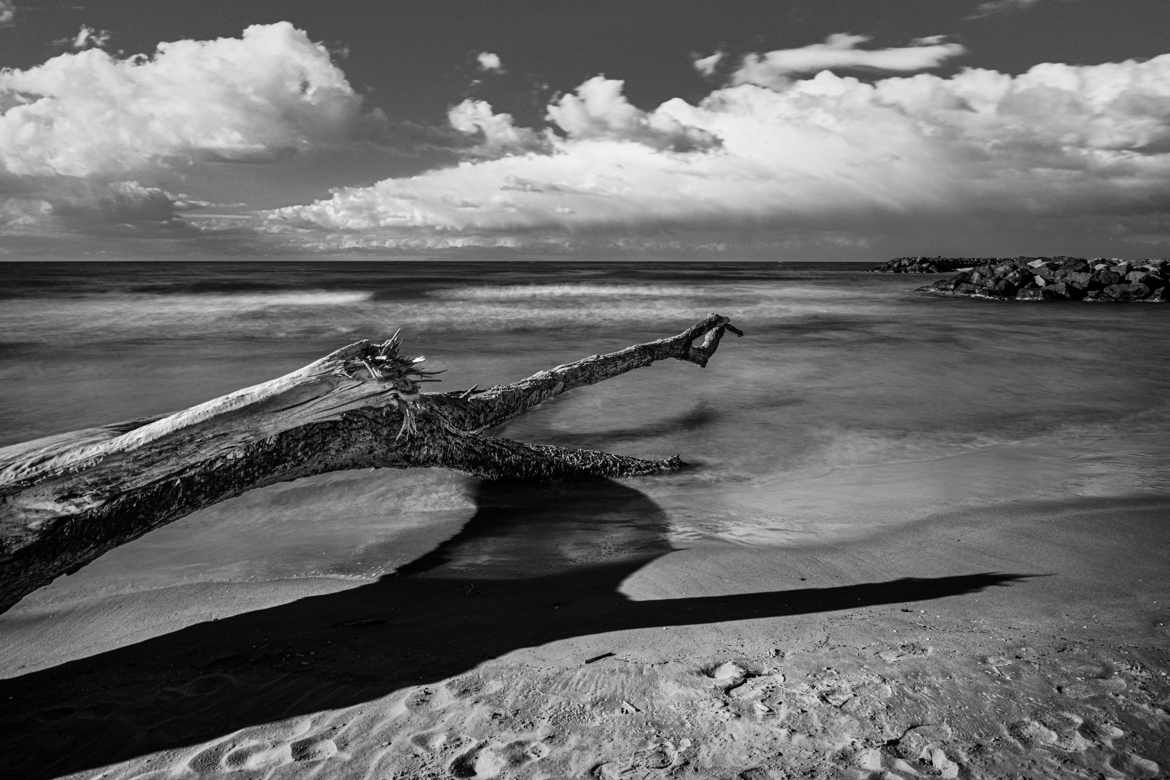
(66, 499)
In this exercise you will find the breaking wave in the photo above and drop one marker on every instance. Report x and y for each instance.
(524, 292)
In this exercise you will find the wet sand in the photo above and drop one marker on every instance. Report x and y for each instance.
(1027, 639)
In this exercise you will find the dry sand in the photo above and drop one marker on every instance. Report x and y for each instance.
(1025, 640)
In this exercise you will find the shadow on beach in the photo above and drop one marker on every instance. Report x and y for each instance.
(536, 563)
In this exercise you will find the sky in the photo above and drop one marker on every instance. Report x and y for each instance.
(777, 129)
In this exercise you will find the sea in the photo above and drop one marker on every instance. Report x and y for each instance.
(853, 405)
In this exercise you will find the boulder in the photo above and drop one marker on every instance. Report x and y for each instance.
(1057, 291)
(1060, 278)
(1029, 294)
(1125, 292)
(924, 265)
(1046, 272)
(1004, 288)
(1109, 277)
(1154, 281)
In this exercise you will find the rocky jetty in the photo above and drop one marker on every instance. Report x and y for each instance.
(930, 265)
(1060, 279)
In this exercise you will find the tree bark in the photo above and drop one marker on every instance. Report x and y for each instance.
(66, 499)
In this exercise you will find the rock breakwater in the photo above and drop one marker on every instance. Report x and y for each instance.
(1061, 279)
(930, 265)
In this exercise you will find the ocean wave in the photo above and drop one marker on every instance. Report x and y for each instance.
(173, 306)
(663, 312)
(355, 312)
(101, 318)
(253, 300)
(739, 292)
(523, 292)
(310, 315)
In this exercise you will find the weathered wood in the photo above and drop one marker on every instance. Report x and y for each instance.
(66, 499)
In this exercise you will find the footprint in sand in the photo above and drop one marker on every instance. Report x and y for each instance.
(257, 756)
(1059, 730)
(660, 754)
(419, 698)
(876, 764)
(727, 675)
(606, 771)
(313, 749)
(913, 754)
(902, 652)
(837, 697)
(755, 687)
(1133, 765)
(432, 741)
(210, 760)
(1101, 733)
(489, 760)
(941, 763)
(755, 773)
(656, 755)
(1067, 728)
(1031, 734)
(241, 754)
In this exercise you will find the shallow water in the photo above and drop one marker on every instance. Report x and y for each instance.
(852, 405)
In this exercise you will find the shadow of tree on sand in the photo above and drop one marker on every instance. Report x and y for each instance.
(537, 563)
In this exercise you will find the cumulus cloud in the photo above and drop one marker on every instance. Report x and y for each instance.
(88, 37)
(7, 12)
(500, 135)
(93, 114)
(489, 61)
(596, 110)
(599, 109)
(775, 68)
(706, 65)
(827, 153)
(80, 131)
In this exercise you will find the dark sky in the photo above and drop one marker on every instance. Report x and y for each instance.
(414, 61)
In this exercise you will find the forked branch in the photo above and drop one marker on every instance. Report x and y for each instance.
(67, 499)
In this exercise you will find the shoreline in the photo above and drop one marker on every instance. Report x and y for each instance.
(990, 603)
(818, 660)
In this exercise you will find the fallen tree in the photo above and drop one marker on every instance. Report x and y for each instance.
(66, 499)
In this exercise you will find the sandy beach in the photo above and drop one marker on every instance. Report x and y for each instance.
(1023, 640)
(920, 538)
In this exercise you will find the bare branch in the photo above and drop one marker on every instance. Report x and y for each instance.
(67, 499)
